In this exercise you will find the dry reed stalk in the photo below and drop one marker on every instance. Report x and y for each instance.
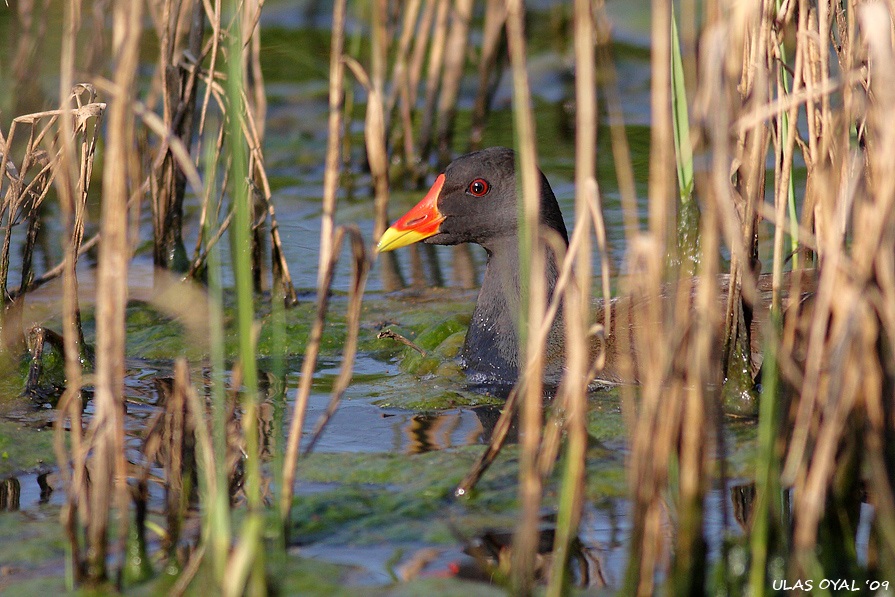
(422, 35)
(495, 445)
(284, 289)
(375, 134)
(252, 132)
(608, 80)
(785, 144)
(489, 71)
(29, 185)
(334, 136)
(621, 154)
(833, 353)
(752, 145)
(109, 471)
(661, 172)
(205, 241)
(374, 121)
(654, 422)
(577, 298)
(252, 74)
(451, 77)
(176, 435)
(179, 80)
(658, 414)
(70, 404)
(213, 14)
(69, 408)
(169, 443)
(68, 165)
(454, 62)
(848, 379)
(532, 261)
(698, 376)
(254, 100)
(679, 414)
(695, 396)
(826, 136)
(85, 174)
(433, 78)
(401, 83)
(874, 255)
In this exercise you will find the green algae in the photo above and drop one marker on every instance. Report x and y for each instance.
(605, 422)
(435, 587)
(154, 335)
(151, 334)
(372, 498)
(32, 552)
(398, 498)
(24, 448)
(434, 340)
(445, 388)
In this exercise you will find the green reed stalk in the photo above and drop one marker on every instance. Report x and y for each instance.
(250, 564)
(687, 574)
(276, 395)
(688, 210)
(683, 149)
(218, 505)
(785, 135)
(766, 512)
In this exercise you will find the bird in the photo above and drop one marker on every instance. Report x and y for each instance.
(475, 201)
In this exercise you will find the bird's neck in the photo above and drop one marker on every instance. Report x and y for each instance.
(491, 350)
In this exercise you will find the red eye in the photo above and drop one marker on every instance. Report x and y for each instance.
(479, 187)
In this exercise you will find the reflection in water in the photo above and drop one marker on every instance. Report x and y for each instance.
(488, 417)
(28, 490)
(10, 494)
(438, 431)
(742, 497)
(430, 432)
(491, 551)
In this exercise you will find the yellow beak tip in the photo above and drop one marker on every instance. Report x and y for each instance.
(395, 239)
(387, 240)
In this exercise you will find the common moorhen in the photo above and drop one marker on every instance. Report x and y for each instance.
(474, 201)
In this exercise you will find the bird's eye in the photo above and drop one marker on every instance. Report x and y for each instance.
(479, 187)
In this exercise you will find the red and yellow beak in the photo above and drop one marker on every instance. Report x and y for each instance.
(422, 221)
